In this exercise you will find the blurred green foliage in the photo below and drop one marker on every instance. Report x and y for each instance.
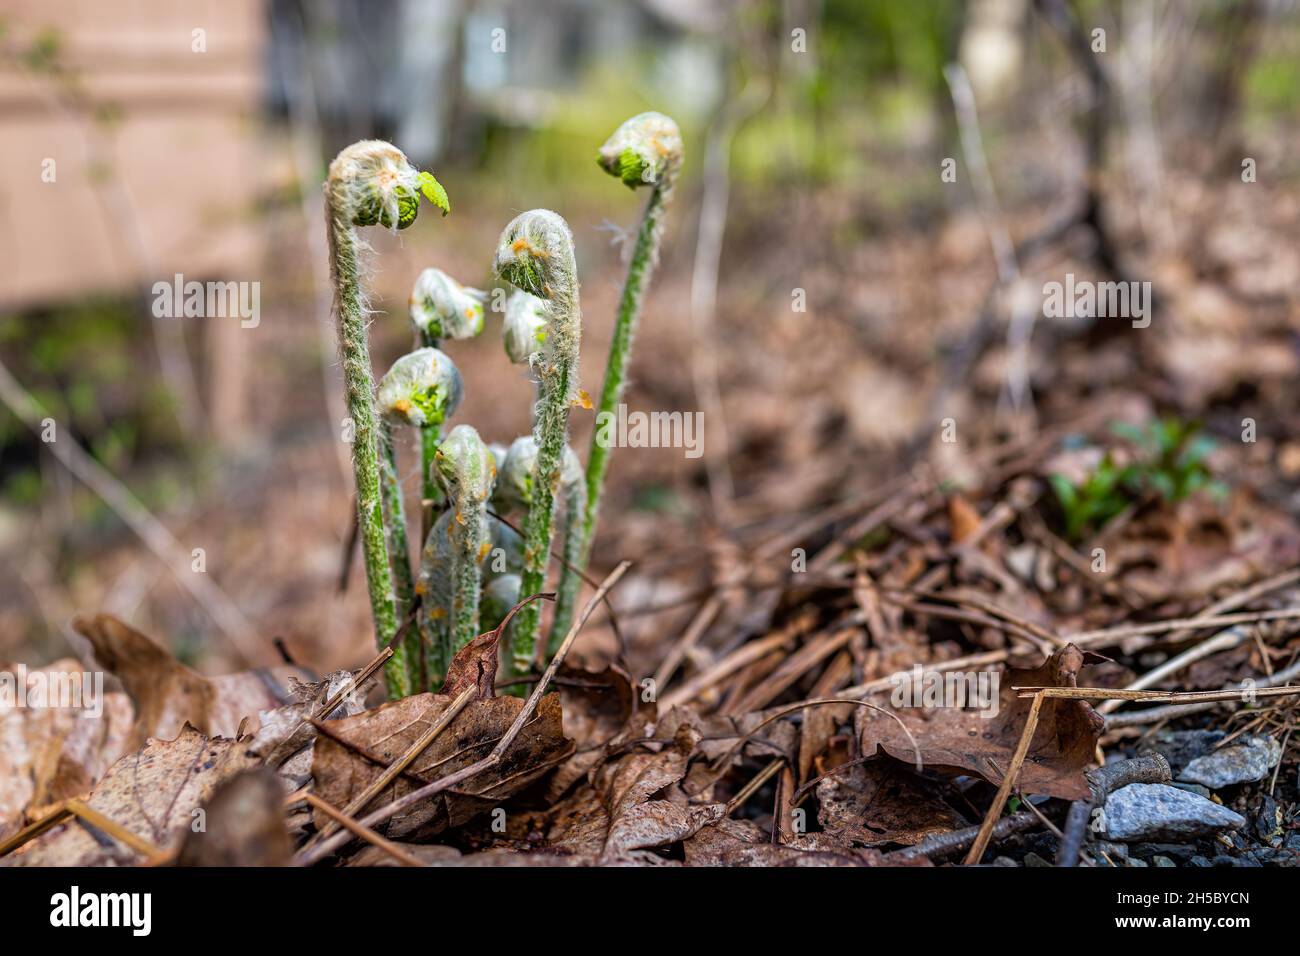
(1169, 464)
(80, 361)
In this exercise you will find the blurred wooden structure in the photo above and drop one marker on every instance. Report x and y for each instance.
(131, 152)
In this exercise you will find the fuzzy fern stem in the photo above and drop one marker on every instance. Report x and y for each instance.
(370, 183)
(421, 390)
(466, 470)
(536, 254)
(440, 307)
(645, 150)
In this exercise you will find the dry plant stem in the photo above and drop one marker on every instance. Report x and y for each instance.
(77, 808)
(214, 601)
(1223, 641)
(1141, 718)
(1156, 696)
(363, 832)
(1004, 250)
(751, 788)
(1111, 634)
(493, 758)
(1008, 781)
(743, 656)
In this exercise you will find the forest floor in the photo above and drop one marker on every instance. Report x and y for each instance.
(1123, 518)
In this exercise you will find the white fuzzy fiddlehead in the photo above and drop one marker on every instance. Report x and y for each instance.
(442, 308)
(423, 388)
(524, 328)
(643, 151)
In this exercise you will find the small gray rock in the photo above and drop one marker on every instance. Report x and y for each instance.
(1163, 862)
(1156, 811)
(1181, 747)
(1245, 761)
(1195, 788)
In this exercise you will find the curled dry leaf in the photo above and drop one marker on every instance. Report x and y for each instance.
(284, 737)
(167, 694)
(50, 753)
(342, 772)
(152, 793)
(958, 739)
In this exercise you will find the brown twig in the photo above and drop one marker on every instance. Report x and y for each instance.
(1008, 781)
(363, 832)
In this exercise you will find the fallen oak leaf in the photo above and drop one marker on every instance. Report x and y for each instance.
(961, 740)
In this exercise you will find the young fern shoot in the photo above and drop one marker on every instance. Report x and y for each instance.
(369, 183)
(645, 151)
(536, 254)
(467, 472)
(440, 308)
(421, 390)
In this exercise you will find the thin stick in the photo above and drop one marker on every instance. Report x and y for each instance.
(114, 829)
(1223, 641)
(1156, 714)
(1008, 781)
(365, 833)
(1155, 696)
(752, 787)
(743, 656)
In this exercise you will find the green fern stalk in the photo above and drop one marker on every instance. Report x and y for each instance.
(467, 472)
(422, 390)
(536, 254)
(645, 150)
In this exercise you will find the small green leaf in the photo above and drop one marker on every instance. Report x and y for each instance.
(434, 192)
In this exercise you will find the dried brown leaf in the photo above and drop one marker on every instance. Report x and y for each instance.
(959, 739)
(152, 793)
(341, 773)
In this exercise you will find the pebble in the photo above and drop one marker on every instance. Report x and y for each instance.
(1181, 747)
(1156, 811)
(1246, 761)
